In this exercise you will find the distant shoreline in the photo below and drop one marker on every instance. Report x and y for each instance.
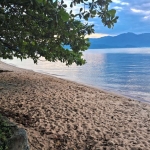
(124, 40)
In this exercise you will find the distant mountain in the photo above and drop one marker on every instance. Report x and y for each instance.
(125, 40)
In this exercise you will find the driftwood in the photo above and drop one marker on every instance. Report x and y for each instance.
(5, 71)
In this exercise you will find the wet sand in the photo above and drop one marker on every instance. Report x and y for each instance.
(63, 115)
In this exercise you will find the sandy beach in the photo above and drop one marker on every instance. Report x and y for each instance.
(63, 115)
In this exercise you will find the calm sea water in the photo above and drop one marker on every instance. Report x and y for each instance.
(125, 71)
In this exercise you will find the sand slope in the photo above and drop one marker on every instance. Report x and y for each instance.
(62, 115)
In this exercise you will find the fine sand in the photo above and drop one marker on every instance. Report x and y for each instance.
(62, 115)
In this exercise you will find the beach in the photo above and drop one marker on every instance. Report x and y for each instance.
(62, 115)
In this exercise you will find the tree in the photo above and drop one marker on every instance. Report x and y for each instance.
(42, 28)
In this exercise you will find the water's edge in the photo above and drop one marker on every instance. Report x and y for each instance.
(84, 84)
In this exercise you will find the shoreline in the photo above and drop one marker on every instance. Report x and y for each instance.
(62, 114)
(87, 85)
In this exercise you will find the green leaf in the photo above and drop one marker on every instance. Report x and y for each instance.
(40, 28)
(40, 1)
(93, 12)
(112, 13)
(71, 5)
(64, 15)
(109, 1)
(65, 6)
(81, 9)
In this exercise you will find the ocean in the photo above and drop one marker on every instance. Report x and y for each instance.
(123, 71)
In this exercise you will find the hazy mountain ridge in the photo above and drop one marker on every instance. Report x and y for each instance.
(125, 40)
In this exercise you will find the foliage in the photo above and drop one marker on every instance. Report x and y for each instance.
(42, 28)
(5, 133)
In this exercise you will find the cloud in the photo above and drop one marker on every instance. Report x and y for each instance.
(96, 35)
(146, 17)
(75, 9)
(140, 6)
(146, 14)
(120, 2)
(118, 8)
(136, 10)
(140, 11)
(124, 3)
(134, 16)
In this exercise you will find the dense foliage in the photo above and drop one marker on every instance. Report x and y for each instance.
(42, 28)
(5, 133)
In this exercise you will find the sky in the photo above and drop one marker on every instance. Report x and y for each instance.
(134, 16)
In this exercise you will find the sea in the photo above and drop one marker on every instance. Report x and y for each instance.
(125, 71)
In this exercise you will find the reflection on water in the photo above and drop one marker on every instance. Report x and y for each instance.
(126, 71)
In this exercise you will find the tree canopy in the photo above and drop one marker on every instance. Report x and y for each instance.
(42, 28)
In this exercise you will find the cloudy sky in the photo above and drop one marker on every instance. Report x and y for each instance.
(134, 16)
